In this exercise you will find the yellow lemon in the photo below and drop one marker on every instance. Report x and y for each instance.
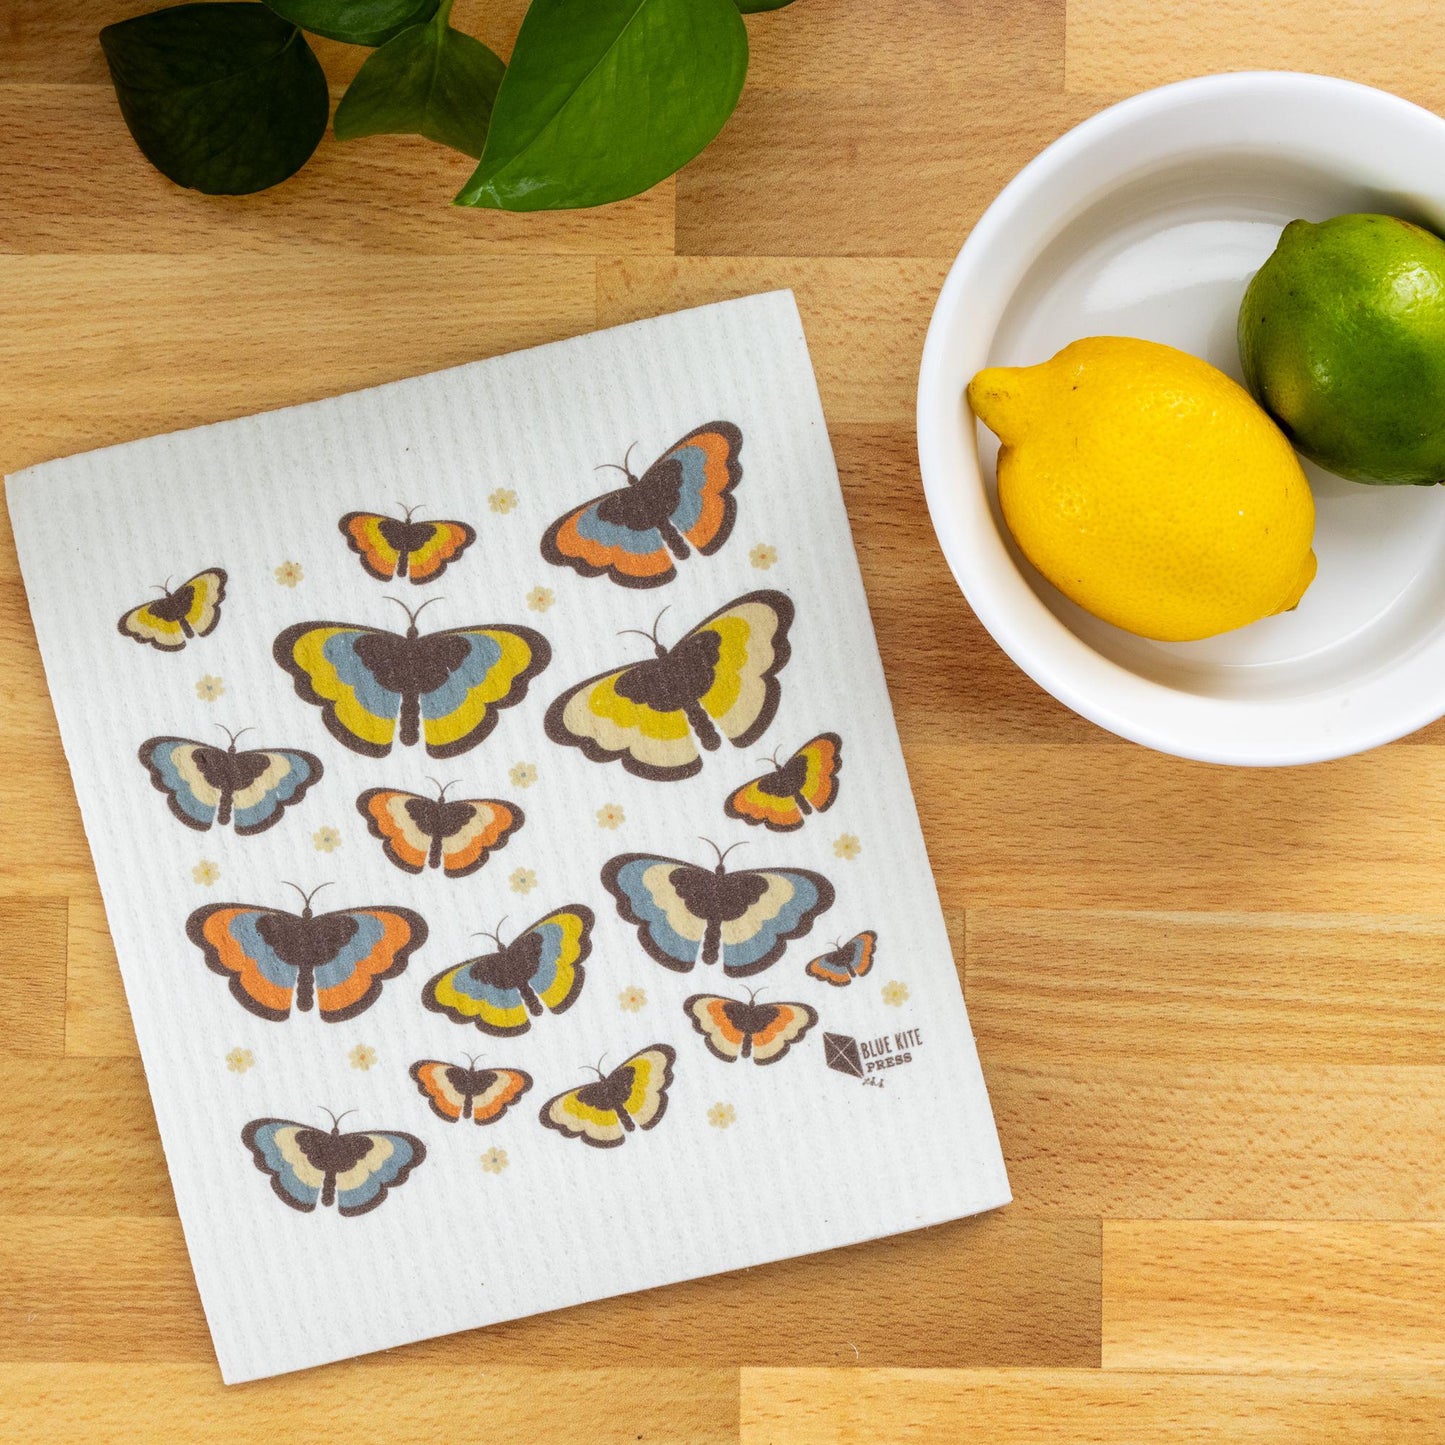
(1149, 487)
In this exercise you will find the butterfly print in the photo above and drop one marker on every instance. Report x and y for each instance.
(636, 534)
(846, 961)
(334, 962)
(685, 913)
(733, 1029)
(446, 689)
(657, 717)
(603, 1113)
(392, 547)
(463, 1091)
(192, 610)
(782, 799)
(207, 786)
(353, 1171)
(501, 992)
(457, 836)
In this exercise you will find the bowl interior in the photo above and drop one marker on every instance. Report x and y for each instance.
(1166, 257)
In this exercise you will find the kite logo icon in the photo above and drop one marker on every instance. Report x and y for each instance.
(841, 1053)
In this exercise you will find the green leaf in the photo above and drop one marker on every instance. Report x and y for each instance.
(432, 81)
(752, 7)
(357, 22)
(222, 98)
(604, 98)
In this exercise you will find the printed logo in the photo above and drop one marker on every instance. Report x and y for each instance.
(867, 1059)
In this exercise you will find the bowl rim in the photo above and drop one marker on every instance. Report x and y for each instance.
(1134, 707)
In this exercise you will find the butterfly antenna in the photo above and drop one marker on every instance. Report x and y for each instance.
(407, 511)
(162, 587)
(471, 1061)
(306, 897)
(612, 467)
(722, 853)
(236, 736)
(442, 787)
(597, 1068)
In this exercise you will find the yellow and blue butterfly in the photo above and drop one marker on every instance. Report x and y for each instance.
(501, 992)
(391, 547)
(309, 1166)
(685, 913)
(180, 614)
(446, 689)
(845, 961)
(632, 1097)
(635, 534)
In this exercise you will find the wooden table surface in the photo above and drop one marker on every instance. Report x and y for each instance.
(1210, 1003)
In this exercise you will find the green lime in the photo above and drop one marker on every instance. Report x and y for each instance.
(1342, 336)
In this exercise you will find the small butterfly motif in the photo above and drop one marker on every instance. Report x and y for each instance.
(179, 615)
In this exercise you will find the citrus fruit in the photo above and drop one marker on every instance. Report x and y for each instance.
(1149, 487)
(1342, 336)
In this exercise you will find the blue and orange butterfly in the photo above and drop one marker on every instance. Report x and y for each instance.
(191, 610)
(735, 1029)
(782, 799)
(457, 836)
(206, 785)
(635, 533)
(658, 716)
(376, 687)
(392, 547)
(309, 1166)
(503, 991)
(632, 1097)
(845, 961)
(336, 962)
(463, 1091)
(685, 913)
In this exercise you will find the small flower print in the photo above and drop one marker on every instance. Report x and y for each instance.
(762, 556)
(846, 845)
(494, 1161)
(326, 840)
(539, 599)
(288, 574)
(205, 872)
(895, 993)
(523, 880)
(610, 816)
(239, 1060)
(523, 775)
(503, 500)
(721, 1115)
(209, 688)
(632, 999)
(362, 1057)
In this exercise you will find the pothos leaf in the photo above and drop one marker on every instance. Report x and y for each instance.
(222, 98)
(357, 22)
(603, 99)
(430, 80)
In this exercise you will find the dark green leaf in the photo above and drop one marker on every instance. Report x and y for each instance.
(752, 7)
(432, 81)
(225, 99)
(357, 22)
(604, 98)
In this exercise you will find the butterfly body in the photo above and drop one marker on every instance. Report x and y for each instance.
(179, 616)
(209, 786)
(457, 835)
(457, 1091)
(783, 799)
(636, 534)
(734, 1029)
(603, 1113)
(398, 547)
(309, 1167)
(848, 961)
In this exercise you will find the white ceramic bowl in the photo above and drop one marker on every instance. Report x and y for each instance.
(1148, 220)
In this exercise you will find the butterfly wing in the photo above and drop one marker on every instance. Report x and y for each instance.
(789, 1022)
(230, 937)
(379, 948)
(709, 1015)
(707, 469)
(507, 1086)
(327, 668)
(826, 970)
(853, 960)
(790, 900)
(434, 1082)
(587, 541)
(495, 671)
(491, 824)
(646, 890)
(164, 625)
(863, 947)
(175, 767)
(823, 757)
(754, 803)
(385, 1166)
(573, 1115)
(609, 726)
(446, 544)
(284, 777)
(389, 818)
(276, 1152)
(365, 535)
(752, 650)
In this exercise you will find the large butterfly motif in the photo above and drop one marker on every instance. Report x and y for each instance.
(685, 913)
(633, 534)
(336, 962)
(191, 610)
(457, 836)
(657, 716)
(845, 961)
(308, 1166)
(399, 547)
(733, 1029)
(463, 1091)
(446, 689)
(206, 785)
(503, 991)
(603, 1113)
(806, 783)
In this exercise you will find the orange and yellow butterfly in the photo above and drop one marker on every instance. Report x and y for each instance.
(463, 1091)
(782, 799)
(632, 1097)
(657, 717)
(457, 836)
(845, 961)
(191, 610)
(399, 547)
(733, 1029)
